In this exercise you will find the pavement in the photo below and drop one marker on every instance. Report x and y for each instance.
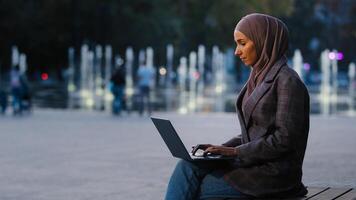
(87, 155)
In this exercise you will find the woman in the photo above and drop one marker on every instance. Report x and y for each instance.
(273, 111)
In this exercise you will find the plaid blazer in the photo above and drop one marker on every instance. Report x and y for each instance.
(274, 131)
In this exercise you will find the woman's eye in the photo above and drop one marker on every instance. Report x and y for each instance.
(240, 44)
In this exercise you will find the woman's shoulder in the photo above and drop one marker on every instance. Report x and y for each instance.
(287, 72)
(290, 77)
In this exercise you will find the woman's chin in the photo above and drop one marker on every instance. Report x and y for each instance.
(247, 63)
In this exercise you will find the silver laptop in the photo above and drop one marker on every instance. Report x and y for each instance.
(175, 144)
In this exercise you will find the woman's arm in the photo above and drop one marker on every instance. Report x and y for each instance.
(233, 142)
(226, 149)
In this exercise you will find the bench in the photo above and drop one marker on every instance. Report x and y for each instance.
(316, 193)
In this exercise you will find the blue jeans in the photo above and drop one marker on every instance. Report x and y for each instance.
(144, 101)
(191, 181)
(117, 104)
(16, 100)
(3, 102)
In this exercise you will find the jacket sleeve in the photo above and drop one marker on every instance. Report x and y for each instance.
(233, 142)
(291, 126)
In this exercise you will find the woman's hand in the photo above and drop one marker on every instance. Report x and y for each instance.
(222, 150)
(200, 147)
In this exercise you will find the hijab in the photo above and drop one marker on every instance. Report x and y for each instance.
(270, 36)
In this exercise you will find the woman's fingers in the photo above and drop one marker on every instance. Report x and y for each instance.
(200, 146)
(213, 149)
(226, 151)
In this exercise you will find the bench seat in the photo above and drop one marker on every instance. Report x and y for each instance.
(315, 193)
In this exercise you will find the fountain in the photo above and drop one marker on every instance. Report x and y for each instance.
(90, 80)
(352, 74)
(219, 83)
(98, 84)
(71, 88)
(218, 78)
(71, 70)
(182, 75)
(334, 80)
(325, 83)
(149, 64)
(201, 71)
(19, 59)
(141, 57)
(298, 63)
(129, 88)
(169, 91)
(170, 75)
(15, 56)
(84, 93)
(23, 64)
(192, 81)
(214, 64)
(107, 75)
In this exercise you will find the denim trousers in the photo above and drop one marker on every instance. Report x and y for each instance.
(117, 104)
(16, 100)
(193, 180)
(144, 100)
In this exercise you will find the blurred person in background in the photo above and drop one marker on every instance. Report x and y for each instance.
(145, 77)
(118, 83)
(15, 84)
(26, 96)
(3, 101)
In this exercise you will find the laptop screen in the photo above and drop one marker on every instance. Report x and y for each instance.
(171, 138)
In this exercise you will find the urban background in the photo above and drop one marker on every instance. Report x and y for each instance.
(48, 37)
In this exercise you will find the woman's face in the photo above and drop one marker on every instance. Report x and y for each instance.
(245, 49)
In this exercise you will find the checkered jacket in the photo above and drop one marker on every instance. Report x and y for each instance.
(274, 131)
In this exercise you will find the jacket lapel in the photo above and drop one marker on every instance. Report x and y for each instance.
(260, 90)
(240, 115)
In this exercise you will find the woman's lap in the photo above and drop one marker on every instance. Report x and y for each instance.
(206, 177)
(214, 185)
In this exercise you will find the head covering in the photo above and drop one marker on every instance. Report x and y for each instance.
(270, 36)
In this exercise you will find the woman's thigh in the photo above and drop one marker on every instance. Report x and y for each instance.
(214, 185)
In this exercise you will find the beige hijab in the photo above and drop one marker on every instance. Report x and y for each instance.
(270, 36)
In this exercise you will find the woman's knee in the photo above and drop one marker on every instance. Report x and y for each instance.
(185, 165)
(183, 169)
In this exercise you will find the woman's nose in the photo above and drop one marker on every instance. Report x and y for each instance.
(237, 52)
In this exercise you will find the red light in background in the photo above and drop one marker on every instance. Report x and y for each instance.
(44, 76)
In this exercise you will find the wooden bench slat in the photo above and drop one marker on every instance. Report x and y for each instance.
(315, 193)
(330, 194)
(312, 191)
(351, 195)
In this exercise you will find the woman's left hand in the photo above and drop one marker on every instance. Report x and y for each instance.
(222, 150)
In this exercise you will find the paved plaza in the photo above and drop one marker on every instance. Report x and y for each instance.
(88, 155)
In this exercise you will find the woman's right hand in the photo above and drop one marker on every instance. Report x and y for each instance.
(200, 146)
(221, 150)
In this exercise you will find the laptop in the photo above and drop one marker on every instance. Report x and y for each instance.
(175, 144)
